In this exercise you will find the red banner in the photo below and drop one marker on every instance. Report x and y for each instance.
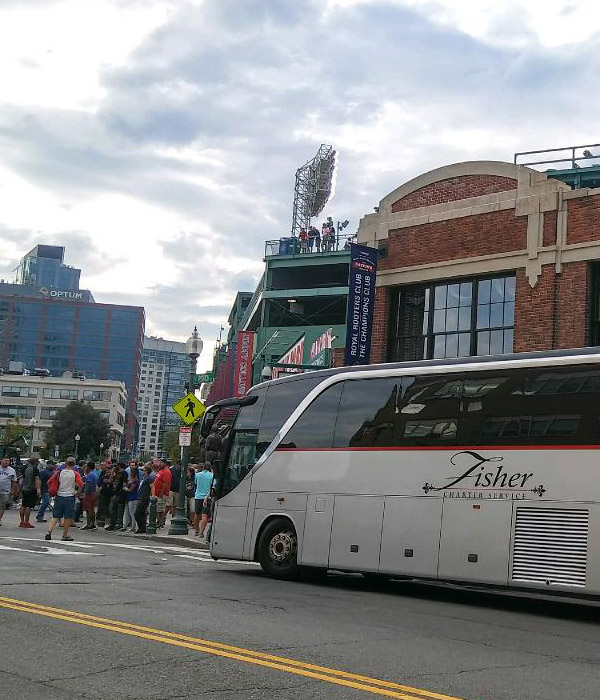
(242, 378)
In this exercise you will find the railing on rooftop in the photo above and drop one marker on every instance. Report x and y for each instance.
(571, 156)
(290, 246)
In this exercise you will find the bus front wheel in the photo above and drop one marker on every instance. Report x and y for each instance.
(278, 549)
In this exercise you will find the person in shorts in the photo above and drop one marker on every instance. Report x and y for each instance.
(204, 481)
(174, 488)
(30, 490)
(161, 488)
(69, 484)
(8, 484)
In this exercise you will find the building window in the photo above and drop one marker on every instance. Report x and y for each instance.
(453, 319)
(48, 413)
(25, 392)
(68, 394)
(89, 395)
(17, 411)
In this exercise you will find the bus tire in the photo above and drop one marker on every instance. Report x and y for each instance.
(278, 550)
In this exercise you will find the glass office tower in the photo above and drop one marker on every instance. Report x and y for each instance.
(103, 341)
(44, 266)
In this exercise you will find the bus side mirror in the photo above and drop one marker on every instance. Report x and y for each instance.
(207, 423)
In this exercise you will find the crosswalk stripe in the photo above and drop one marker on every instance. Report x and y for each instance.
(198, 555)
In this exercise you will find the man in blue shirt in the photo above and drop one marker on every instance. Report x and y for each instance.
(90, 496)
(45, 474)
(203, 481)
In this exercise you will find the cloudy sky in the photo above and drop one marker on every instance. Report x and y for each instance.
(158, 139)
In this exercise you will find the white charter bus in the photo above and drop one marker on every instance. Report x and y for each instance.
(479, 470)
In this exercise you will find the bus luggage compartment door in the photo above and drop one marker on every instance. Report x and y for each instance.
(410, 540)
(317, 530)
(475, 541)
(356, 533)
(228, 534)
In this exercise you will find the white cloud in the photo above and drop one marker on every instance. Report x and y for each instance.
(51, 53)
(552, 23)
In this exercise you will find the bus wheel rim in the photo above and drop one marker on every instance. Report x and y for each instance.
(282, 547)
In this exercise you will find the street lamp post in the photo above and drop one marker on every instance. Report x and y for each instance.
(77, 439)
(101, 448)
(32, 423)
(179, 523)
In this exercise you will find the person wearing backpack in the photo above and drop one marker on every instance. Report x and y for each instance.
(214, 446)
(64, 485)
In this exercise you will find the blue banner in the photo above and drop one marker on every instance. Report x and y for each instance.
(361, 300)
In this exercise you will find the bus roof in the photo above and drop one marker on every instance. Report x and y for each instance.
(448, 362)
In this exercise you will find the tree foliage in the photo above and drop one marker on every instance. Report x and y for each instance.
(12, 431)
(9, 437)
(78, 418)
(171, 445)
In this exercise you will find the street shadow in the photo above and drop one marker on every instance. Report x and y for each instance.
(549, 606)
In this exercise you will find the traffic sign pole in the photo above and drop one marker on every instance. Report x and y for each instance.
(189, 409)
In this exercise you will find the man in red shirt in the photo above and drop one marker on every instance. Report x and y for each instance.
(160, 489)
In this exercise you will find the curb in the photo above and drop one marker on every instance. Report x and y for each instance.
(177, 540)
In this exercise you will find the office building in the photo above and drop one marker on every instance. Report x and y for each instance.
(65, 330)
(165, 370)
(44, 267)
(33, 401)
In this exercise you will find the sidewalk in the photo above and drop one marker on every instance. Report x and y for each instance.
(10, 528)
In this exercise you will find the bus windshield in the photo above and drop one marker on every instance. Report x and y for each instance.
(257, 424)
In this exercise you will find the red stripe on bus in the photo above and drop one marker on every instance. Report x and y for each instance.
(452, 448)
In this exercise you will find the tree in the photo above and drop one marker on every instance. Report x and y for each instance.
(78, 418)
(9, 437)
(171, 445)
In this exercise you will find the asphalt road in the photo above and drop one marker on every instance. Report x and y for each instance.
(435, 641)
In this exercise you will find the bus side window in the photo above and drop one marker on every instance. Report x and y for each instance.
(282, 399)
(534, 406)
(314, 428)
(368, 412)
(429, 412)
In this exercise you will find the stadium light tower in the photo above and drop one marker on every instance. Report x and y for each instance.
(313, 188)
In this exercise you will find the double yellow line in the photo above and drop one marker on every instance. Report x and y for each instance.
(279, 663)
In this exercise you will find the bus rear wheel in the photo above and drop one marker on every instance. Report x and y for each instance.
(278, 549)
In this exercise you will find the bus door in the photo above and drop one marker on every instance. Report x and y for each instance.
(233, 493)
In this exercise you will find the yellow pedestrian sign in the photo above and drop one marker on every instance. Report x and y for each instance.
(189, 408)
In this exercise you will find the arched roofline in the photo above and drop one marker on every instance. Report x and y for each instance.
(472, 167)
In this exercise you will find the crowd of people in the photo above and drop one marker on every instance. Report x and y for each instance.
(111, 495)
(313, 240)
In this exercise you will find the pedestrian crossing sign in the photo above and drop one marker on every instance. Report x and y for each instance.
(189, 408)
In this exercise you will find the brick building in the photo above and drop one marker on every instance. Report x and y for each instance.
(484, 257)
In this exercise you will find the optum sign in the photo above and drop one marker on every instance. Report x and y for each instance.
(60, 293)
